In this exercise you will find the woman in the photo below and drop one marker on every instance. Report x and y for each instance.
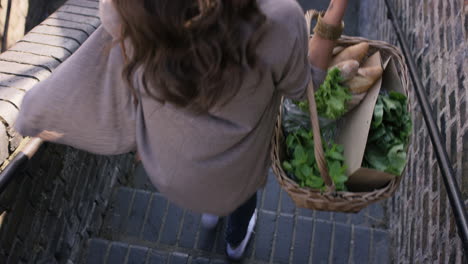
(195, 86)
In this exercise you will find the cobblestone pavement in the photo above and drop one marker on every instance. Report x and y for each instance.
(141, 226)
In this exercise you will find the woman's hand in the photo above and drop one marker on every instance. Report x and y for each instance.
(320, 49)
(49, 135)
(335, 12)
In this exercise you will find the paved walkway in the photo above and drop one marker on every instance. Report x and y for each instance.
(141, 226)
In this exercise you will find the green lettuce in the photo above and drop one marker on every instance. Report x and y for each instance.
(331, 97)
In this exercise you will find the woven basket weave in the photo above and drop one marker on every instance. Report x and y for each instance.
(331, 200)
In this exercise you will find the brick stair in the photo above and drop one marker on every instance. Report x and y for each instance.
(140, 226)
(110, 252)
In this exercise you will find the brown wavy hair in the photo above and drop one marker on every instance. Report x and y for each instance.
(192, 53)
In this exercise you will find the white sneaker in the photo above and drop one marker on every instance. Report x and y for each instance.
(238, 252)
(209, 221)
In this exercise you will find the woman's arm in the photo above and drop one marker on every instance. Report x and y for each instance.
(89, 109)
(320, 49)
(111, 23)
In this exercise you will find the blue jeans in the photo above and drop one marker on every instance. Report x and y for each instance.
(238, 221)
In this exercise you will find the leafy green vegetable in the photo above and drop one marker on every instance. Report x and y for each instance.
(331, 97)
(302, 165)
(303, 105)
(388, 137)
(331, 100)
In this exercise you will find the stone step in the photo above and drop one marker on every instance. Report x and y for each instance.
(147, 219)
(273, 198)
(101, 251)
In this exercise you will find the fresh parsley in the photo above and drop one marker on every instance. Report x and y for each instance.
(301, 164)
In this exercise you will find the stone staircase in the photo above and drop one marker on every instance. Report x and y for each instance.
(141, 226)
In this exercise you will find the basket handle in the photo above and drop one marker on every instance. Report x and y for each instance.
(318, 146)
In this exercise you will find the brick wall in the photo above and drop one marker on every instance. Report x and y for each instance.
(24, 15)
(50, 210)
(420, 215)
(17, 20)
(39, 10)
(57, 204)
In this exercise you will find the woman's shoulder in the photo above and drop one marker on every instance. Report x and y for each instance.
(282, 11)
(286, 28)
(285, 19)
(285, 38)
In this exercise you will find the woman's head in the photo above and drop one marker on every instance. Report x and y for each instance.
(193, 53)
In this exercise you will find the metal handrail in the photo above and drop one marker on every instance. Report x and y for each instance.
(18, 161)
(448, 175)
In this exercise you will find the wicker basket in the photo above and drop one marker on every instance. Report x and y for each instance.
(331, 200)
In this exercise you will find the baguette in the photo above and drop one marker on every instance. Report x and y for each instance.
(348, 69)
(354, 101)
(364, 79)
(337, 50)
(354, 52)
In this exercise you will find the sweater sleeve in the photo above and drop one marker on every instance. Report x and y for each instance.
(85, 99)
(297, 71)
